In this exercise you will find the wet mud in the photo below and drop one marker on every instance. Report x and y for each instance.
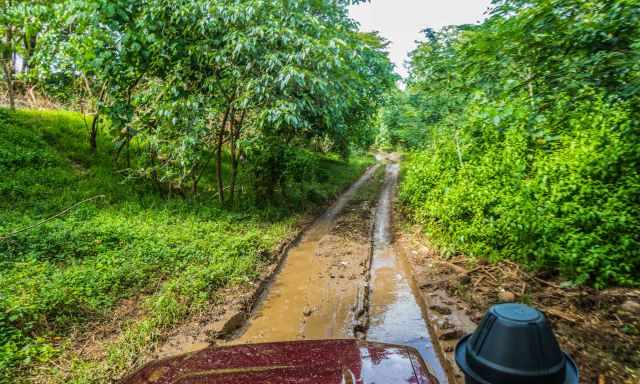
(318, 292)
(397, 313)
(449, 318)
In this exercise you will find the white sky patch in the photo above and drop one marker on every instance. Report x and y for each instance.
(400, 21)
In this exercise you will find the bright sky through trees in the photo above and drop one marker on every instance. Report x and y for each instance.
(401, 21)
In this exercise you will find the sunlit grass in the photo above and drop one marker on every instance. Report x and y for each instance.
(133, 241)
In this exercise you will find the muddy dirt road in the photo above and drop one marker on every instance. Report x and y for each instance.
(345, 279)
(397, 313)
(317, 291)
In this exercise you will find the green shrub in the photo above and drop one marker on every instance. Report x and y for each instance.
(560, 192)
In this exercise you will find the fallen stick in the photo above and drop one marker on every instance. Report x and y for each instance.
(557, 313)
(5, 237)
(490, 275)
(456, 268)
(525, 274)
(547, 283)
(478, 281)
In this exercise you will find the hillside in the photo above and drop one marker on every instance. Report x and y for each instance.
(120, 239)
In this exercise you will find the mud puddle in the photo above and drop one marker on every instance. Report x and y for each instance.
(317, 294)
(397, 313)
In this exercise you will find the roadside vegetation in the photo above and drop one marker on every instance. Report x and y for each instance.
(129, 240)
(522, 137)
(190, 138)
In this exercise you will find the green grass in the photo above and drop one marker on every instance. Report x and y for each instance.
(76, 268)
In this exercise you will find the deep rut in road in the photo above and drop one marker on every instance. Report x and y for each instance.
(397, 312)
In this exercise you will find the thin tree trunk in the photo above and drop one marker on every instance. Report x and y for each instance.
(9, 67)
(128, 149)
(197, 174)
(194, 183)
(235, 135)
(234, 171)
(220, 141)
(219, 166)
(93, 136)
(154, 173)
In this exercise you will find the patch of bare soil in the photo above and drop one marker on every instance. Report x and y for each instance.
(600, 329)
(92, 340)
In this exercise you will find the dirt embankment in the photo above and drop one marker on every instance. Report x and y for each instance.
(600, 329)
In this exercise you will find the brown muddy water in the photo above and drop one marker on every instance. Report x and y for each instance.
(315, 294)
(397, 312)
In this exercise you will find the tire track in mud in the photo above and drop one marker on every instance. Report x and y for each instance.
(397, 311)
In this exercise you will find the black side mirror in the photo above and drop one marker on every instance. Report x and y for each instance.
(514, 344)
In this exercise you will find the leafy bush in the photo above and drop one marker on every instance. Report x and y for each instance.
(528, 128)
(562, 197)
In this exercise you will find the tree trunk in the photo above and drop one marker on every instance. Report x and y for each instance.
(220, 141)
(93, 136)
(235, 136)
(154, 173)
(128, 149)
(234, 171)
(194, 183)
(9, 67)
(219, 179)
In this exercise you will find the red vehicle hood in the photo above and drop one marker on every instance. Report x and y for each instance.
(299, 362)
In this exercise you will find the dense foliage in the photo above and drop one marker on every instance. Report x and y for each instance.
(525, 131)
(58, 275)
(185, 83)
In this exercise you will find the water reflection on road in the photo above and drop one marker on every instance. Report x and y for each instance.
(397, 312)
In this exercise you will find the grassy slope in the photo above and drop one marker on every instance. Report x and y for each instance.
(76, 268)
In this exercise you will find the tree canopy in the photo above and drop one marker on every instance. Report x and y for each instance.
(181, 82)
